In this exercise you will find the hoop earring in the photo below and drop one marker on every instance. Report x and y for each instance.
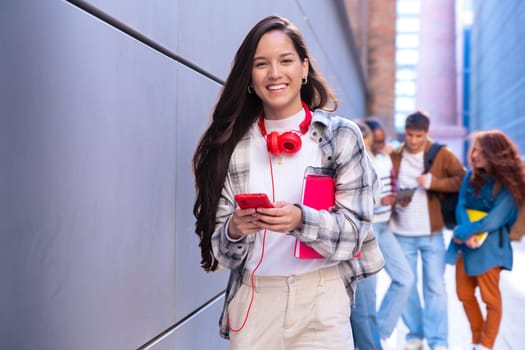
(305, 80)
(250, 91)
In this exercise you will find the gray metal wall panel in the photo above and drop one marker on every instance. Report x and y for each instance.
(199, 332)
(194, 287)
(222, 30)
(87, 254)
(211, 31)
(166, 343)
(156, 19)
(98, 130)
(326, 37)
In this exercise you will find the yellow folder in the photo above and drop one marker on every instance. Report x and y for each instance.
(475, 215)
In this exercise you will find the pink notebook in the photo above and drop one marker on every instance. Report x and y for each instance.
(318, 193)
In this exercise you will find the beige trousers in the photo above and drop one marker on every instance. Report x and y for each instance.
(309, 311)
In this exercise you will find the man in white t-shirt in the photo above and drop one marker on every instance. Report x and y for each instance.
(418, 226)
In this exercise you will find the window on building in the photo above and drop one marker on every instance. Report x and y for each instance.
(407, 56)
(407, 41)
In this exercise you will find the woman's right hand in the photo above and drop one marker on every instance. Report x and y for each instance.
(242, 223)
(388, 200)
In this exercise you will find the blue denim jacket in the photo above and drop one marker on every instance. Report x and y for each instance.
(501, 214)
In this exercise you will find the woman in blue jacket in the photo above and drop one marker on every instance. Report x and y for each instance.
(494, 185)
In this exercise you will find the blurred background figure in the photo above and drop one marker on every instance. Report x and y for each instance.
(363, 318)
(494, 186)
(418, 226)
(396, 265)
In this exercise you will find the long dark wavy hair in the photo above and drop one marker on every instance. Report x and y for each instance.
(234, 114)
(503, 163)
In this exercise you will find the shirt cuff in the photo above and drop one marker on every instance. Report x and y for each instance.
(428, 181)
(226, 233)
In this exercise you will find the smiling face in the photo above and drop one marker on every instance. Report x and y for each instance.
(476, 157)
(277, 75)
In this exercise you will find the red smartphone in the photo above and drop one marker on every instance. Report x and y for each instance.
(253, 200)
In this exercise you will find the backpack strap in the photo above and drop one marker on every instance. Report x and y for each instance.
(517, 230)
(430, 156)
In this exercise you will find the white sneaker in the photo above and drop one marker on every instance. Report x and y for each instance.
(385, 345)
(440, 347)
(480, 347)
(414, 344)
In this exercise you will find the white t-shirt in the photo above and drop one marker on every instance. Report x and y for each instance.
(288, 174)
(383, 166)
(414, 219)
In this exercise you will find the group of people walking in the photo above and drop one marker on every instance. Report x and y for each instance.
(409, 227)
(409, 230)
(272, 127)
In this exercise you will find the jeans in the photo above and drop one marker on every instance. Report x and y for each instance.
(432, 321)
(363, 316)
(401, 277)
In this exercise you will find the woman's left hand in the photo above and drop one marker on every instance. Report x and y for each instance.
(283, 217)
(472, 242)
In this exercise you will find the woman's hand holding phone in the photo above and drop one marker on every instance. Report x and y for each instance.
(259, 213)
(244, 220)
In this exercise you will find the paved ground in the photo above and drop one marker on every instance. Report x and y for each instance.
(512, 331)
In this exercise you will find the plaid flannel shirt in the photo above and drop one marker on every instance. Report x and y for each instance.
(338, 234)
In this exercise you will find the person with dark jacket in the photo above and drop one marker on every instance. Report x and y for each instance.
(418, 226)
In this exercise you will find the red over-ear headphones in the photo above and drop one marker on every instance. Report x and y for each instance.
(287, 142)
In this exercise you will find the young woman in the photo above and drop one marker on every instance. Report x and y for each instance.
(494, 186)
(270, 125)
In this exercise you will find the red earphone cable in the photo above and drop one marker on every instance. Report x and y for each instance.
(303, 127)
(252, 280)
(252, 277)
